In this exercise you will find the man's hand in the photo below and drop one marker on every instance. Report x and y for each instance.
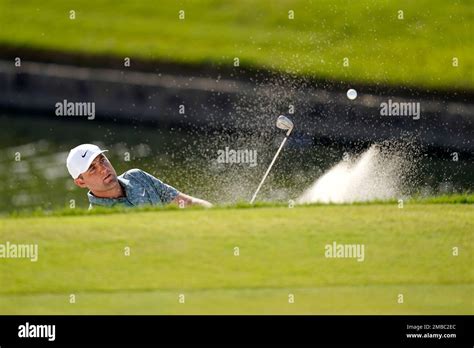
(184, 200)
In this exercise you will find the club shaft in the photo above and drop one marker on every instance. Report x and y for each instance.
(268, 170)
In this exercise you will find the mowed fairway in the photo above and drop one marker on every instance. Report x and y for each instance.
(417, 50)
(408, 251)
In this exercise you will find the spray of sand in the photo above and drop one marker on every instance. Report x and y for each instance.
(382, 172)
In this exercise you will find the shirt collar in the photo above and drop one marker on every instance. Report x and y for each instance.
(125, 183)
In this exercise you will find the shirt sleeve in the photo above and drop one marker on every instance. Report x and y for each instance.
(166, 192)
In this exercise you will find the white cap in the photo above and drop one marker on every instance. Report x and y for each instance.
(80, 158)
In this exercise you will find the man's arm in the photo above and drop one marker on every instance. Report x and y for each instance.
(183, 200)
(169, 194)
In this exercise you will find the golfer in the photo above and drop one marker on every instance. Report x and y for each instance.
(90, 169)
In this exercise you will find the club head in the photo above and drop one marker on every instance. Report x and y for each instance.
(284, 123)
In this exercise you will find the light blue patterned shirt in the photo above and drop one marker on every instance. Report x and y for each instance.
(140, 188)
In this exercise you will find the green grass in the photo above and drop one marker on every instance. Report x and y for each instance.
(190, 252)
(417, 50)
(459, 198)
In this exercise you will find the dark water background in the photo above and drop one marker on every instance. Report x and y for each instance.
(185, 159)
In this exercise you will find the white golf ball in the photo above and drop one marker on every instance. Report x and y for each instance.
(351, 94)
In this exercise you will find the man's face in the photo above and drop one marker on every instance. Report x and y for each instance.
(100, 176)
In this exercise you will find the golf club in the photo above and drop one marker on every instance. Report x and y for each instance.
(284, 123)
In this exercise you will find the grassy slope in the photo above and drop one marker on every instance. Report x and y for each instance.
(281, 251)
(417, 50)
